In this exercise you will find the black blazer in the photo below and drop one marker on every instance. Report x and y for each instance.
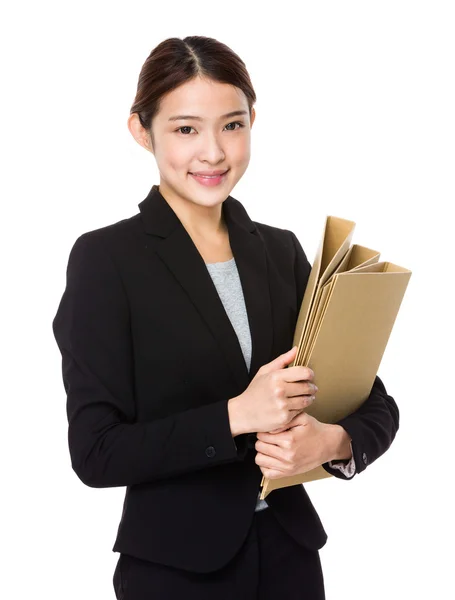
(150, 360)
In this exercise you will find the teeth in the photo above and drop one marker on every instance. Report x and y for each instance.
(209, 176)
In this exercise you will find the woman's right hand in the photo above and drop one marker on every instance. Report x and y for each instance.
(276, 394)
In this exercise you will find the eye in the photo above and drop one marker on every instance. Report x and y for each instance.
(186, 127)
(236, 123)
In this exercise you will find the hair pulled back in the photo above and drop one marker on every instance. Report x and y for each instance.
(175, 61)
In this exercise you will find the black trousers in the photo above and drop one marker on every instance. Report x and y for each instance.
(270, 565)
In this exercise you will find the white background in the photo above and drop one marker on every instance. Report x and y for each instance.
(355, 118)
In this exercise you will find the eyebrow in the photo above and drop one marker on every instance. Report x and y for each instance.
(234, 113)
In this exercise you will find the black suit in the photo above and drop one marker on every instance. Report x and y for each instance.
(149, 361)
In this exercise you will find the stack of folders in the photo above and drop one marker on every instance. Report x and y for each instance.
(348, 310)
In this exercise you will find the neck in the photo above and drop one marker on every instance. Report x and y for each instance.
(201, 221)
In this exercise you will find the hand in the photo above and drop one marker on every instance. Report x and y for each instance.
(276, 395)
(304, 444)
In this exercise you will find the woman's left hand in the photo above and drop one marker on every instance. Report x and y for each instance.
(305, 443)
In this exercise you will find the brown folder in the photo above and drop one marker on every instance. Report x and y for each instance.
(347, 314)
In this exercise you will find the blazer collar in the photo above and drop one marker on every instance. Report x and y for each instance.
(183, 259)
(159, 218)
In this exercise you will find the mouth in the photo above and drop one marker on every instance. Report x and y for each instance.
(210, 180)
(208, 175)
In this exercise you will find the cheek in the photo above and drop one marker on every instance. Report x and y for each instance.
(174, 155)
(244, 148)
(240, 151)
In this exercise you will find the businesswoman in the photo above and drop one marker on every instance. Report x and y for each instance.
(175, 329)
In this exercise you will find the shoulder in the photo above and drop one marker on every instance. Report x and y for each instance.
(274, 238)
(113, 232)
(109, 239)
(271, 232)
(278, 238)
(285, 244)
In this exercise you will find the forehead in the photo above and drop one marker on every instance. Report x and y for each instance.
(203, 98)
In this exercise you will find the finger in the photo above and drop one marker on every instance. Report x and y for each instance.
(301, 418)
(298, 373)
(278, 451)
(270, 450)
(279, 430)
(272, 474)
(301, 388)
(271, 438)
(298, 404)
(269, 462)
(280, 362)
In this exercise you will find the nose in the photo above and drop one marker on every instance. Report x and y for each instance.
(211, 149)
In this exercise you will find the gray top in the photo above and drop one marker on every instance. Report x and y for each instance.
(226, 278)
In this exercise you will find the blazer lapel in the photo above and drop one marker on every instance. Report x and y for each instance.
(183, 259)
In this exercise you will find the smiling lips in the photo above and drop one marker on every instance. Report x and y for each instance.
(208, 178)
(208, 173)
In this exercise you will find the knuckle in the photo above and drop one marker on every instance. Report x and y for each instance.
(274, 377)
(309, 373)
(290, 456)
(281, 404)
(278, 391)
(284, 416)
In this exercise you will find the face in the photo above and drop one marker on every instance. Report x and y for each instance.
(193, 132)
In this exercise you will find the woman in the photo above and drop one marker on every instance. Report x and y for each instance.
(175, 329)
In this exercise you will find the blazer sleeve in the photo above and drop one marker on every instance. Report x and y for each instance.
(107, 447)
(373, 426)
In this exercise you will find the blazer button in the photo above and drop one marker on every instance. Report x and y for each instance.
(210, 451)
(364, 458)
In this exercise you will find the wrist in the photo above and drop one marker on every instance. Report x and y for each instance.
(339, 443)
(235, 417)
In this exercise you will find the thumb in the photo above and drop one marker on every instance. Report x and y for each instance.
(281, 361)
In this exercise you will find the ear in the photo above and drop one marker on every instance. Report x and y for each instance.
(140, 134)
(253, 116)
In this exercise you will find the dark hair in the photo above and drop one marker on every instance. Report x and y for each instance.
(176, 61)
